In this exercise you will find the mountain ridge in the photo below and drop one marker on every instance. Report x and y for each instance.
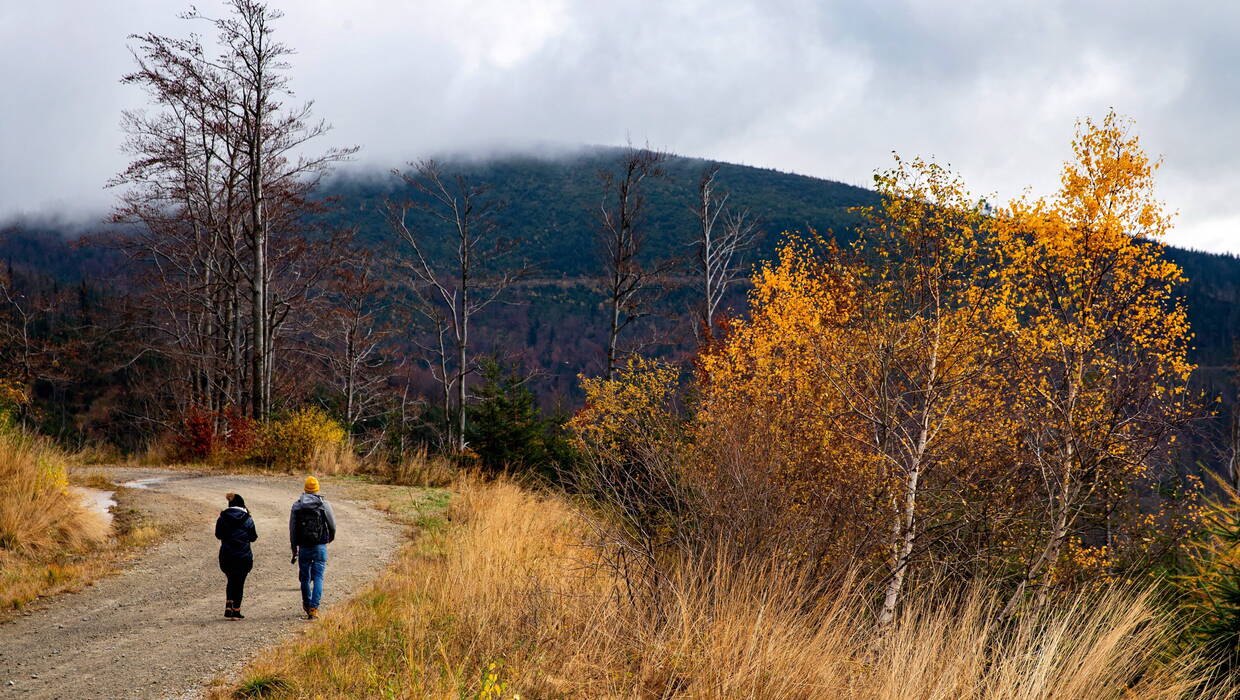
(549, 200)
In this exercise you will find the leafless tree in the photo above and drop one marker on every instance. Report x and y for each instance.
(275, 177)
(449, 288)
(351, 339)
(182, 202)
(627, 278)
(217, 201)
(723, 235)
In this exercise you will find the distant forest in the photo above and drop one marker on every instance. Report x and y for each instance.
(551, 328)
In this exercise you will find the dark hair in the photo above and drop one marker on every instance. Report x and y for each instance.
(236, 501)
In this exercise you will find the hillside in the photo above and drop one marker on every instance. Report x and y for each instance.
(556, 328)
(550, 204)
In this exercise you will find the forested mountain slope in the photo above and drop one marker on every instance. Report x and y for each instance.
(550, 203)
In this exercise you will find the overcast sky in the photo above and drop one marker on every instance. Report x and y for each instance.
(820, 88)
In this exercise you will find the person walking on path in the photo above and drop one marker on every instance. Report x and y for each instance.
(311, 526)
(235, 531)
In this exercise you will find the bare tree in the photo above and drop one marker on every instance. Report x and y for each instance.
(723, 234)
(352, 338)
(274, 177)
(182, 204)
(450, 289)
(220, 197)
(626, 277)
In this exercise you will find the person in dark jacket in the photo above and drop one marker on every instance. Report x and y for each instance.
(235, 531)
(311, 525)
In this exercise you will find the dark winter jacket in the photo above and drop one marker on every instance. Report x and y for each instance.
(235, 531)
(315, 502)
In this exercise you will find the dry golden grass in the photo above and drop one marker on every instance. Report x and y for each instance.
(418, 468)
(50, 541)
(503, 600)
(30, 577)
(333, 460)
(37, 511)
(157, 453)
(94, 454)
(44, 528)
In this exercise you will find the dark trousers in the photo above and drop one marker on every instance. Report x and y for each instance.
(236, 570)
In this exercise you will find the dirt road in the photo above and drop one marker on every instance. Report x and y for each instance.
(157, 629)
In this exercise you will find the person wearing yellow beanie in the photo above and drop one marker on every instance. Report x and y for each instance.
(311, 526)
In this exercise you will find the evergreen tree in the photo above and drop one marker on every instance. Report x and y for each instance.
(508, 431)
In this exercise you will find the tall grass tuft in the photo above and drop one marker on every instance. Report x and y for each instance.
(37, 510)
(418, 468)
(506, 600)
(333, 459)
(41, 521)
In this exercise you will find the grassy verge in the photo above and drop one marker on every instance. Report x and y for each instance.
(52, 543)
(421, 507)
(499, 599)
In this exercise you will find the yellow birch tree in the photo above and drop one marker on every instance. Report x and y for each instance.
(1101, 376)
(928, 338)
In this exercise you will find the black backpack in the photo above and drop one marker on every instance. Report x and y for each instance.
(311, 525)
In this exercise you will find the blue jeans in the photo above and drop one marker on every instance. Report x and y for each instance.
(311, 563)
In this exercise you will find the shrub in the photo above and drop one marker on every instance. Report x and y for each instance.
(214, 435)
(1209, 584)
(629, 415)
(240, 431)
(197, 438)
(300, 439)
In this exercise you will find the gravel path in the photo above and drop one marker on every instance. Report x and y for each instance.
(157, 629)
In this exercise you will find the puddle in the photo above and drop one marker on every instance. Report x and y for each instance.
(97, 500)
(144, 483)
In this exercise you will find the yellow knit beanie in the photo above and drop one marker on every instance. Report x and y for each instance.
(312, 485)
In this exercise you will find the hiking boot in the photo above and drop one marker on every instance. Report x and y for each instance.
(229, 611)
(237, 614)
(312, 613)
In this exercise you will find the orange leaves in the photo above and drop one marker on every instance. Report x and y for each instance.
(1021, 363)
(1085, 271)
(982, 388)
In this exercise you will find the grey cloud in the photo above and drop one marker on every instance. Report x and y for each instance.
(822, 88)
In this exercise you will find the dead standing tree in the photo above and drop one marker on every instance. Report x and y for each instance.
(723, 234)
(220, 196)
(450, 290)
(620, 230)
(352, 338)
(275, 177)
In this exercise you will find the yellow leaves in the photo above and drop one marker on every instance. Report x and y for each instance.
(293, 440)
(1087, 274)
(1033, 343)
(618, 410)
(1110, 182)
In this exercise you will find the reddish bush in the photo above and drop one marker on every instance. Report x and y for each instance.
(197, 437)
(240, 431)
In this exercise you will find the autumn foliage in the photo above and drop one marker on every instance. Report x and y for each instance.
(968, 390)
(295, 440)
